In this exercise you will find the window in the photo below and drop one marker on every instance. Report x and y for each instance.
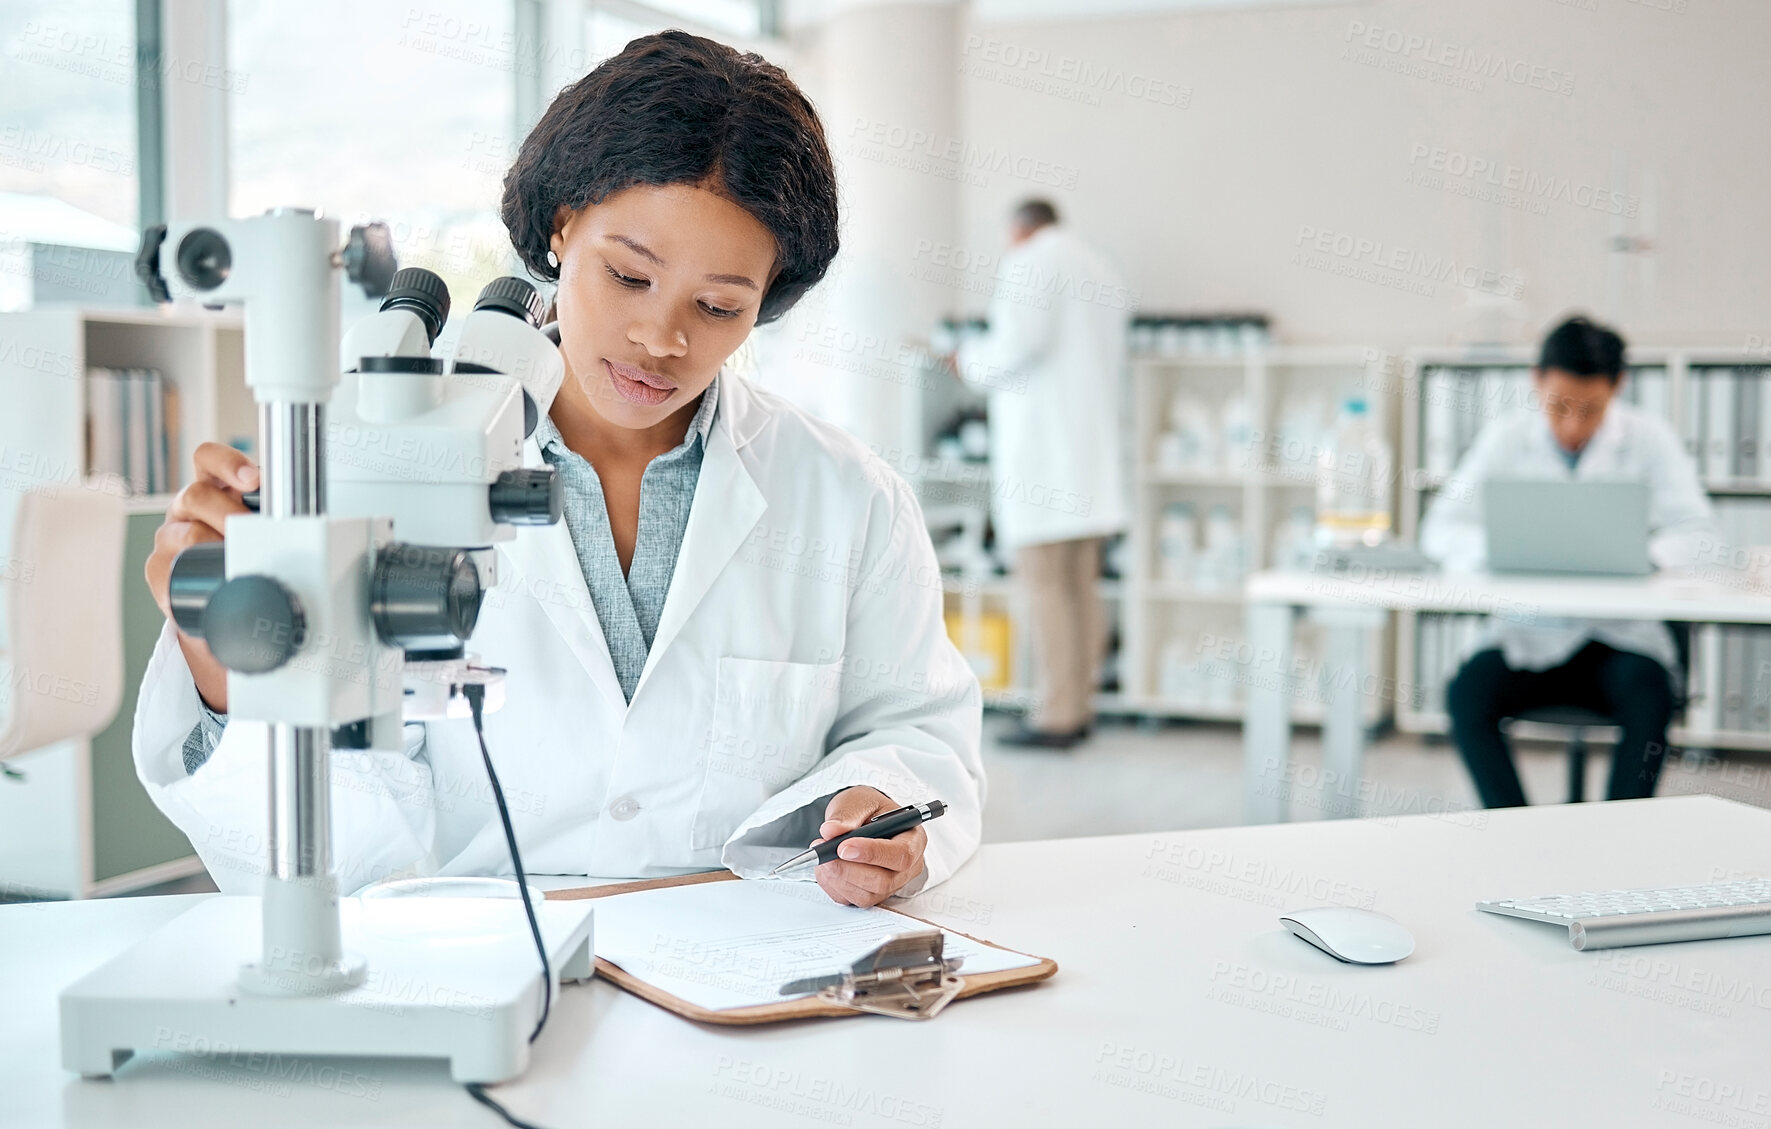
(405, 116)
(68, 187)
(609, 28)
(740, 18)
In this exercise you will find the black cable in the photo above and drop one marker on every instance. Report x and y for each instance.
(477, 1091)
(475, 693)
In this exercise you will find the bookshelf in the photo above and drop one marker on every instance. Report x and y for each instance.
(79, 824)
(1717, 399)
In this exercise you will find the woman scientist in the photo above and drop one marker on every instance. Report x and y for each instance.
(733, 645)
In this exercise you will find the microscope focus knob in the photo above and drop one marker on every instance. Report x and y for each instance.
(531, 496)
(253, 624)
(368, 258)
(425, 599)
(196, 575)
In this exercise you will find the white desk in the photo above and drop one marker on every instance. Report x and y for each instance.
(1347, 608)
(1180, 1002)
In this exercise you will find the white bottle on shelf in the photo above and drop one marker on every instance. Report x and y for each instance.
(1354, 478)
(1303, 432)
(1294, 542)
(1178, 677)
(1221, 563)
(1184, 446)
(1236, 430)
(1176, 541)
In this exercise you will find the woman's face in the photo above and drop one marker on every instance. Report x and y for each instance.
(658, 286)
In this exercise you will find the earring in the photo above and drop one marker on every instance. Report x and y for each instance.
(553, 260)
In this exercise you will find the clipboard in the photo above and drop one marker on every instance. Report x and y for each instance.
(804, 1007)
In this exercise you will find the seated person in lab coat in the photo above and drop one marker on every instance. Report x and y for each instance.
(733, 644)
(1619, 667)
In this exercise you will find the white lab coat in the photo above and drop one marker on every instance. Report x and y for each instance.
(801, 651)
(1629, 444)
(1053, 363)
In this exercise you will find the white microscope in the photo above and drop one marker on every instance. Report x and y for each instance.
(341, 609)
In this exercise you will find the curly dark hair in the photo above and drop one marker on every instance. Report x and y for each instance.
(674, 108)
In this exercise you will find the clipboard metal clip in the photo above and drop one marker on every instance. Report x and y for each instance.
(906, 977)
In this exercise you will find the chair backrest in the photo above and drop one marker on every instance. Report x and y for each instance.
(1681, 633)
(61, 599)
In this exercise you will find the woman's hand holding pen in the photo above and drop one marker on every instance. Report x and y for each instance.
(867, 871)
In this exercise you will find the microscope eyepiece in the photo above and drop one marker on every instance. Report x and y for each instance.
(422, 292)
(513, 296)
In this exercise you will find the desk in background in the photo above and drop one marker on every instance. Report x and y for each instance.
(1347, 608)
(1180, 1002)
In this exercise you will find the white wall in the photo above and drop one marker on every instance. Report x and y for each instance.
(1256, 126)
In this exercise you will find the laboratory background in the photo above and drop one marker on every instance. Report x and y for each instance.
(1343, 413)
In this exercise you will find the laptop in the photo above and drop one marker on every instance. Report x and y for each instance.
(1595, 528)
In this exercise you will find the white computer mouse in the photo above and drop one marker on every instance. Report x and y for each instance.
(1357, 936)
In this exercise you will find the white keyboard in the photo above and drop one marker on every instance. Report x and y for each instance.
(1609, 919)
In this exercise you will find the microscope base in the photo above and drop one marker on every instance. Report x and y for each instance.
(453, 978)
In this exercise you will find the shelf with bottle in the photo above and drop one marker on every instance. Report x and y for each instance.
(1163, 476)
(1226, 467)
(1209, 438)
(1197, 336)
(1207, 559)
(1203, 666)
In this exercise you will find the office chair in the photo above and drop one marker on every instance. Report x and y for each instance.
(61, 613)
(1577, 720)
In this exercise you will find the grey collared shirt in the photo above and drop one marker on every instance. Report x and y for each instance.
(628, 606)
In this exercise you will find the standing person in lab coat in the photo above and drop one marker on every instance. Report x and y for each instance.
(1053, 363)
(1620, 667)
(733, 644)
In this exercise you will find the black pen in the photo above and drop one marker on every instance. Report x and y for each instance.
(879, 827)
